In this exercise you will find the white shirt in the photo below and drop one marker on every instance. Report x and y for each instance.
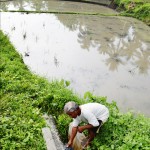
(91, 113)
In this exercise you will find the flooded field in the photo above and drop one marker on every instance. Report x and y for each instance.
(108, 56)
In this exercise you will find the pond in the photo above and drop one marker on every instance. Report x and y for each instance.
(106, 55)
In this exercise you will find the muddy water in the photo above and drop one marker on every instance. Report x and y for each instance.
(109, 56)
(57, 6)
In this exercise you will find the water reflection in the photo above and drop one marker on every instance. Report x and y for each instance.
(56, 6)
(109, 56)
(121, 41)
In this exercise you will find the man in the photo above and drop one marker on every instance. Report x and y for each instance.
(94, 114)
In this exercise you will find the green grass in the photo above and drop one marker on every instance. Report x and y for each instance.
(24, 97)
(139, 9)
(21, 121)
(64, 12)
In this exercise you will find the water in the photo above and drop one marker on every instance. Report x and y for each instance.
(109, 56)
(57, 6)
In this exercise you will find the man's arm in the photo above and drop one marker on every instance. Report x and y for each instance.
(82, 128)
(73, 134)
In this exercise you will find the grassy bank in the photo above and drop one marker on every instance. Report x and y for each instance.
(20, 119)
(24, 97)
(139, 9)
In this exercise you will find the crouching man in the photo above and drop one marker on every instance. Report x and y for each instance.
(93, 114)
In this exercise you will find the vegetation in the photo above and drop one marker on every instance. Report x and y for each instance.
(121, 132)
(20, 119)
(25, 97)
(139, 9)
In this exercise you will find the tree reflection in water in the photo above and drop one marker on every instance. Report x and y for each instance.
(122, 41)
(143, 59)
(84, 38)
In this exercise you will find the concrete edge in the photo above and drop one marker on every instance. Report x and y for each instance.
(48, 139)
(50, 134)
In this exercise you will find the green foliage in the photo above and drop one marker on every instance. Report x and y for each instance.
(143, 13)
(121, 131)
(124, 132)
(63, 122)
(24, 97)
(139, 9)
(20, 121)
(56, 98)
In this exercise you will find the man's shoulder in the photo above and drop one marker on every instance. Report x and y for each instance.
(90, 105)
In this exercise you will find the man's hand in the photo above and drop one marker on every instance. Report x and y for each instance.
(73, 134)
(81, 129)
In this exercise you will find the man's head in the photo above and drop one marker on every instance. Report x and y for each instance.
(72, 109)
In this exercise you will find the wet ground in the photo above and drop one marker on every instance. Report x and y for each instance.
(107, 55)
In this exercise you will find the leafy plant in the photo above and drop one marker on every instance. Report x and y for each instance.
(24, 97)
(139, 9)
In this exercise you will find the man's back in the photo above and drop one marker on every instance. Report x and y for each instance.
(100, 111)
